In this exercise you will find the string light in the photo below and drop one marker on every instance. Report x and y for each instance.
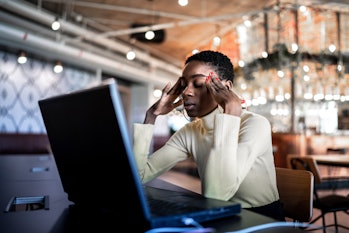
(332, 48)
(182, 2)
(294, 47)
(58, 68)
(247, 23)
(194, 51)
(149, 35)
(216, 41)
(264, 54)
(56, 25)
(22, 58)
(280, 73)
(241, 63)
(157, 93)
(131, 55)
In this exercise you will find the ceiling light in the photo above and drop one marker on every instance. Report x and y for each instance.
(319, 95)
(243, 86)
(308, 94)
(264, 54)
(339, 67)
(195, 51)
(332, 48)
(287, 96)
(248, 23)
(216, 41)
(157, 93)
(58, 68)
(149, 35)
(294, 47)
(131, 55)
(336, 93)
(306, 68)
(262, 99)
(328, 94)
(22, 58)
(280, 95)
(303, 8)
(55, 24)
(78, 18)
(182, 2)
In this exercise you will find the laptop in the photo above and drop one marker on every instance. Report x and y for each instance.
(92, 149)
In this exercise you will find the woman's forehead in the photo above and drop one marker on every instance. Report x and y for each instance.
(196, 69)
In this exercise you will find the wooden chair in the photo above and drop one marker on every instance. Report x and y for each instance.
(334, 151)
(296, 193)
(328, 203)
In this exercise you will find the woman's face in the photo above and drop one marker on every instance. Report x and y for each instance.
(197, 99)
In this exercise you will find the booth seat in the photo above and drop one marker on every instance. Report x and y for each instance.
(27, 143)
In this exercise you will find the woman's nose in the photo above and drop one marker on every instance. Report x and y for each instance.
(188, 91)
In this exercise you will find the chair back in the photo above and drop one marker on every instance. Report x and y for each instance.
(296, 193)
(306, 163)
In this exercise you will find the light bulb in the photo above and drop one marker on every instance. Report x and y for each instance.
(22, 58)
(131, 55)
(55, 25)
(149, 35)
(58, 68)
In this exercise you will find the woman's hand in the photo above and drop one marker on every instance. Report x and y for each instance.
(166, 103)
(224, 95)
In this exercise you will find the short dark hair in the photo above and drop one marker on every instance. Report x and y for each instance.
(220, 63)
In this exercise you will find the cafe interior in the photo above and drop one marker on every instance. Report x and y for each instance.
(291, 64)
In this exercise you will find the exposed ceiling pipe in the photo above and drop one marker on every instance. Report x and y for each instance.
(130, 10)
(28, 26)
(214, 19)
(83, 58)
(26, 10)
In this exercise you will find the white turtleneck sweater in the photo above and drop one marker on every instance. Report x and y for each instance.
(233, 154)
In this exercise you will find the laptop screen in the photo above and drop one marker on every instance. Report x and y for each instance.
(91, 147)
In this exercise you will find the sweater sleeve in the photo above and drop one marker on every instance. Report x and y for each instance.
(237, 144)
(152, 165)
(142, 137)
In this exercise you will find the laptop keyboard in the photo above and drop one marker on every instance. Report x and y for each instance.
(162, 207)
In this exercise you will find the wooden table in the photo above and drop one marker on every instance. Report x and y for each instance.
(332, 160)
(18, 179)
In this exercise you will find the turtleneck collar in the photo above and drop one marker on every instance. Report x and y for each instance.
(208, 120)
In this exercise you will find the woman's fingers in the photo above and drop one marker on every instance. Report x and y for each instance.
(217, 87)
(168, 102)
(166, 88)
(177, 89)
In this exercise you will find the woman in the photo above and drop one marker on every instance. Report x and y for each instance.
(232, 147)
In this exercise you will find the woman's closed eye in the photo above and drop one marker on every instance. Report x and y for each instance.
(196, 84)
(199, 83)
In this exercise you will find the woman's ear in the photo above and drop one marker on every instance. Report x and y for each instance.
(229, 84)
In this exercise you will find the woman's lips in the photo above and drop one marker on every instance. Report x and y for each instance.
(189, 106)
